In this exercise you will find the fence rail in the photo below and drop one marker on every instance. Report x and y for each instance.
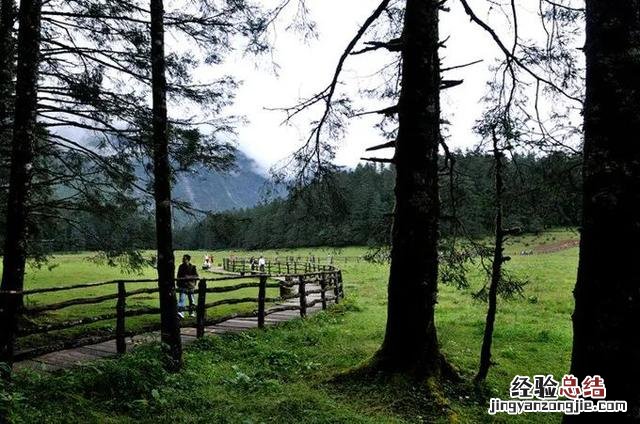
(318, 260)
(274, 267)
(293, 284)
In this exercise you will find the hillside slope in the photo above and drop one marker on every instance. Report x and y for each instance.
(208, 190)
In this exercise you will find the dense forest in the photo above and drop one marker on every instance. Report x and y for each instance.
(541, 192)
(353, 208)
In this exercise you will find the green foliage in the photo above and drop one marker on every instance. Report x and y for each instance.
(509, 287)
(354, 207)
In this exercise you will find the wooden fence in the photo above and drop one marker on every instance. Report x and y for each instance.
(300, 276)
(300, 260)
(274, 266)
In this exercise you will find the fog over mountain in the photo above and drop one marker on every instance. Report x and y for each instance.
(208, 190)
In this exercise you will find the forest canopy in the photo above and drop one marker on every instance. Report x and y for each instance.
(541, 192)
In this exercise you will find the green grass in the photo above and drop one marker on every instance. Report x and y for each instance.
(296, 373)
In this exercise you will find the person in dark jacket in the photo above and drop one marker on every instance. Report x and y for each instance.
(186, 282)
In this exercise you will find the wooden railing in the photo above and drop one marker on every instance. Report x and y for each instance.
(300, 260)
(326, 277)
(244, 266)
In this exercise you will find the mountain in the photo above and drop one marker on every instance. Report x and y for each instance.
(208, 190)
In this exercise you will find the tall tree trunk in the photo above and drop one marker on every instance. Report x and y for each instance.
(496, 269)
(7, 73)
(411, 344)
(170, 326)
(22, 151)
(607, 292)
(6, 62)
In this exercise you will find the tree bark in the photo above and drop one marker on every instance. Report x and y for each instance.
(411, 344)
(607, 292)
(6, 62)
(22, 152)
(7, 74)
(170, 326)
(496, 268)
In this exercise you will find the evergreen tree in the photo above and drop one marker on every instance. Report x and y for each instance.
(170, 326)
(606, 293)
(22, 157)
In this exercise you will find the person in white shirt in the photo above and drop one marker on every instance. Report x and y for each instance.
(261, 263)
(207, 262)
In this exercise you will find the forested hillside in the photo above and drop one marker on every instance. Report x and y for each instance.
(354, 208)
(200, 189)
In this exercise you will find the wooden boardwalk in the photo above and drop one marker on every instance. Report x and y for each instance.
(77, 356)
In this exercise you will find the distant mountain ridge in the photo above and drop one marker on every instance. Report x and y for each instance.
(207, 190)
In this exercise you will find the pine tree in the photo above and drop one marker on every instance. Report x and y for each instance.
(170, 326)
(411, 343)
(607, 297)
(22, 157)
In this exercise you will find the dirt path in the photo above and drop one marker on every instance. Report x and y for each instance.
(556, 246)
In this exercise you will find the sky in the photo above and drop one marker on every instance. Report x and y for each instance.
(299, 68)
(304, 67)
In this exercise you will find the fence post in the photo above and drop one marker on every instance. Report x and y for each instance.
(201, 311)
(303, 297)
(121, 346)
(336, 287)
(269, 267)
(323, 285)
(262, 294)
(279, 267)
(286, 289)
(288, 272)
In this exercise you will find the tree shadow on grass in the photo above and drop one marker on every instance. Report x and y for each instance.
(427, 400)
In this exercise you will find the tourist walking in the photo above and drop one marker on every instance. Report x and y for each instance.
(187, 276)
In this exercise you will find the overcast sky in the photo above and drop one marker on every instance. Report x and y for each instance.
(304, 68)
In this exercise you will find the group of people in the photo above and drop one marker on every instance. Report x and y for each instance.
(258, 264)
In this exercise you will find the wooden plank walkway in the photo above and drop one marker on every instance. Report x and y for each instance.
(71, 357)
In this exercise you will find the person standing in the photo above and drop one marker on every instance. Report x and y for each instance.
(186, 282)
(261, 263)
(207, 263)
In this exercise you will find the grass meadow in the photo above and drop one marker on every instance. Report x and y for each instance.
(300, 371)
